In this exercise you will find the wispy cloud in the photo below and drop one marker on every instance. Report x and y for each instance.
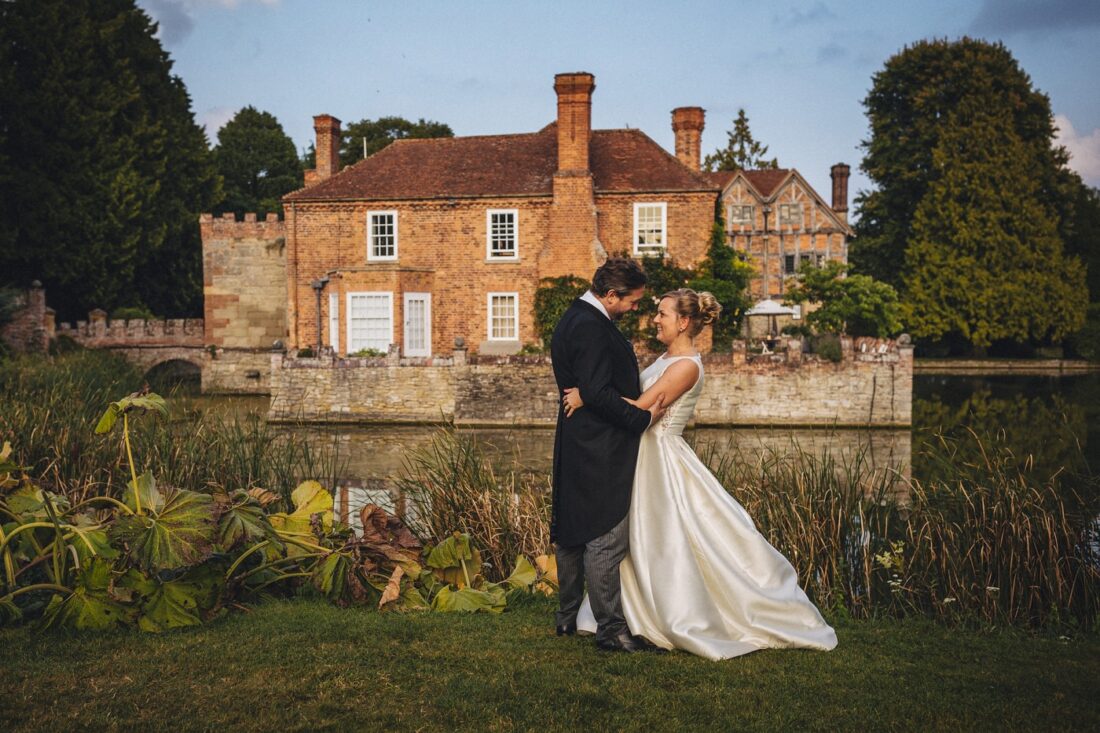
(1084, 149)
(797, 16)
(176, 18)
(831, 52)
(1006, 17)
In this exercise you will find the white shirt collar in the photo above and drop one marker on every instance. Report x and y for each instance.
(591, 299)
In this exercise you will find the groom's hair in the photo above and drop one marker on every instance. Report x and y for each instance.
(620, 274)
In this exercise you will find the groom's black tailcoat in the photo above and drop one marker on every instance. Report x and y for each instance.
(594, 450)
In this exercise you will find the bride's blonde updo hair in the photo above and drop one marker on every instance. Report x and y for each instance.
(701, 309)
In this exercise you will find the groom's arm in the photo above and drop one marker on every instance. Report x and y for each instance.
(592, 359)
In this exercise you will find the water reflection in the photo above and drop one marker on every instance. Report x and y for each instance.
(1051, 424)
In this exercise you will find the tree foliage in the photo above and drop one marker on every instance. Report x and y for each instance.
(103, 171)
(383, 131)
(857, 305)
(726, 276)
(742, 151)
(985, 261)
(910, 109)
(257, 161)
(553, 297)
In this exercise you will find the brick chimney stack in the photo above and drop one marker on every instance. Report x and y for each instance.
(327, 128)
(687, 124)
(839, 174)
(574, 119)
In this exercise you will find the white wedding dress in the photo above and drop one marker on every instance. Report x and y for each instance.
(699, 576)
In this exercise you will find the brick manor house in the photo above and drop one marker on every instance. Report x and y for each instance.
(429, 241)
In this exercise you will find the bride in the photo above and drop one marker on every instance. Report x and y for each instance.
(699, 576)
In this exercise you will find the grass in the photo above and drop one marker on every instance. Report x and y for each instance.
(306, 665)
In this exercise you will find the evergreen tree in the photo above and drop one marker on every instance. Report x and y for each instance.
(742, 151)
(985, 260)
(908, 107)
(258, 163)
(103, 171)
(383, 131)
(726, 276)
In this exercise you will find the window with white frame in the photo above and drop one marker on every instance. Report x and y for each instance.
(502, 234)
(503, 316)
(790, 264)
(370, 321)
(740, 214)
(790, 214)
(334, 322)
(382, 235)
(650, 229)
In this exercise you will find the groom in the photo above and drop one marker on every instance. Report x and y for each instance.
(596, 449)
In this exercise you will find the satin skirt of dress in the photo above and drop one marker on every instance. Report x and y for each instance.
(699, 576)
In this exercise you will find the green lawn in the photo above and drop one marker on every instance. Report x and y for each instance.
(306, 665)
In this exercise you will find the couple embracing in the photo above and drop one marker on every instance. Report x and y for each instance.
(668, 558)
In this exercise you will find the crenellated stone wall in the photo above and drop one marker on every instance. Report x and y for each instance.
(244, 300)
(871, 386)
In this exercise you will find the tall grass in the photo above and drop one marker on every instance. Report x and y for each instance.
(450, 485)
(49, 409)
(999, 544)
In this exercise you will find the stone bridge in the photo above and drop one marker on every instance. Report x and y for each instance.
(146, 344)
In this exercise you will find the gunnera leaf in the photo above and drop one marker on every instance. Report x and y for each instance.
(90, 605)
(181, 533)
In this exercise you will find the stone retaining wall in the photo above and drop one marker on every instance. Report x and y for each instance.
(871, 386)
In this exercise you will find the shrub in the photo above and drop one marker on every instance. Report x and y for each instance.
(552, 298)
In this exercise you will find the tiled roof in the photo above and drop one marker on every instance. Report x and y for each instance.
(503, 165)
(719, 178)
(766, 181)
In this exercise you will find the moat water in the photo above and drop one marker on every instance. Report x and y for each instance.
(1051, 423)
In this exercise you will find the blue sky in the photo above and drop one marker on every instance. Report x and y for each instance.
(800, 69)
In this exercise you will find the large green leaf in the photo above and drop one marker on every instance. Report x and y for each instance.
(151, 499)
(135, 401)
(243, 521)
(91, 539)
(330, 576)
(309, 498)
(524, 575)
(182, 601)
(181, 533)
(491, 599)
(455, 561)
(89, 606)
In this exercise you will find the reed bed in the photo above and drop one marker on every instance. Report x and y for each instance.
(450, 485)
(49, 409)
(1000, 544)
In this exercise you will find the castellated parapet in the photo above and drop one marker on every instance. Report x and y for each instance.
(99, 332)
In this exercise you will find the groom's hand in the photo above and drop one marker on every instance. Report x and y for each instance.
(657, 410)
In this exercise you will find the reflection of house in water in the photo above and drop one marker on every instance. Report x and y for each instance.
(375, 455)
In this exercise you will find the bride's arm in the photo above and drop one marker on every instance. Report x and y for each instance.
(677, 379)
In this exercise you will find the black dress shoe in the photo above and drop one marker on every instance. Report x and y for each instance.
(620, 642)
(565, 629)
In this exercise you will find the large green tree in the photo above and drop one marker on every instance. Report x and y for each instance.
(742, 151)
(985, 261)
(910, 109)
(103, 171)
(377, 134)
(257, 161)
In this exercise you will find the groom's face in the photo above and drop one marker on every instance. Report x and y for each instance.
(618, 306)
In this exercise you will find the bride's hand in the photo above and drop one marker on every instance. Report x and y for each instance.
(571, 400)
(633, 402)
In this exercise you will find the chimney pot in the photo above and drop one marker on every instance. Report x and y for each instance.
(687, 125)
(574, 92)
(839, 174)
(327, 128)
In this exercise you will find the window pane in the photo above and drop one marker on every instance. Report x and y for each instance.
(650, 229)
(502, 234)
(502, 317)
(383, 241)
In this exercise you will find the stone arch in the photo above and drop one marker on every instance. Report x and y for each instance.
(172, 374)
